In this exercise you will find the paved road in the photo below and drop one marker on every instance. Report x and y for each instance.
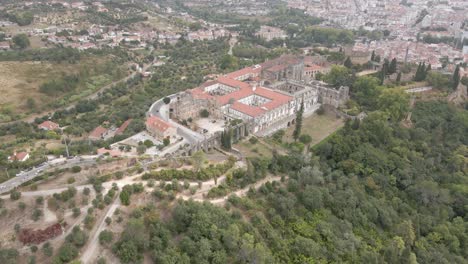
(25, 176)
(161, 110)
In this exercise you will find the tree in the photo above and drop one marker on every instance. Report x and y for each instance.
(21, 41)
(8, 256)
(439, 80)
(305, 139)
(338, 76)
(398, 78)
(167, 100)
(456, 78)
(464, 81)
(105, 237)
(373, 56)
(125, 197)
(198, 159)
(37, 213)
(393, 66)
(204, 113)
(141, 149)
(76, 212)
(15, 195)
(394, 102)
(226, 139)
(76, 169)
(31, 103)
(421, 72)
(166, 141)
(383, 72)
(348, 64)
(67, 252)
(298, 125)
(47, 249)
(229, 62)
(366, 91)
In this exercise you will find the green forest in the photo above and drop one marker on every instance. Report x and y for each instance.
(375, 192)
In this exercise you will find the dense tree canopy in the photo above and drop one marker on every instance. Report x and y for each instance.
(375, 192)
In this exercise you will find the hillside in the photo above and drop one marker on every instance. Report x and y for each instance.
(373, 193)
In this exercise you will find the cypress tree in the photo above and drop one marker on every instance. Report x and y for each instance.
(298, 128)
(428, 68)
(393, 66)
(348, 64)
(456, 77)
(383, 72)
(398, 78)
(417, 72)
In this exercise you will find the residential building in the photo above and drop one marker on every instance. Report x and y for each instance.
(48, 125)
(159, 128)
(19, 156)
(98, 133)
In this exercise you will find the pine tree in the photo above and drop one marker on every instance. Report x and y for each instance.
(393, 66)
(348, 64)
(456, 77)
(298, 128)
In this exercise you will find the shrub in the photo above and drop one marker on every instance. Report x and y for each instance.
(76, 169)
(204, 113)
(37, 213)
(15, 195)
(76, 212)
(39, 200)
(253, 140)
(21, 206)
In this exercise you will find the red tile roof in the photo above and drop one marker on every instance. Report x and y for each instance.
(122, 128)
(20, 156)
(157, 123)
(252, 111)
(98, 132)
(244, 89)
(251, 71)
(277, 68)
(49, 125)
(313, 68)
(277, 99)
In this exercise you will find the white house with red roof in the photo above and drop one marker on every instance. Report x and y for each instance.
(160, 128)
(19, 156)
(48, 125)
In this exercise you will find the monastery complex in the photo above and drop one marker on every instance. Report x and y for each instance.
(265, 96)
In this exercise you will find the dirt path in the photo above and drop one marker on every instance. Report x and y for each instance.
(93, 243)
(198, 196)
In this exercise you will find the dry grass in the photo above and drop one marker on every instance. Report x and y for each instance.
(21, 80)
(253, 150)
(317, 126)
